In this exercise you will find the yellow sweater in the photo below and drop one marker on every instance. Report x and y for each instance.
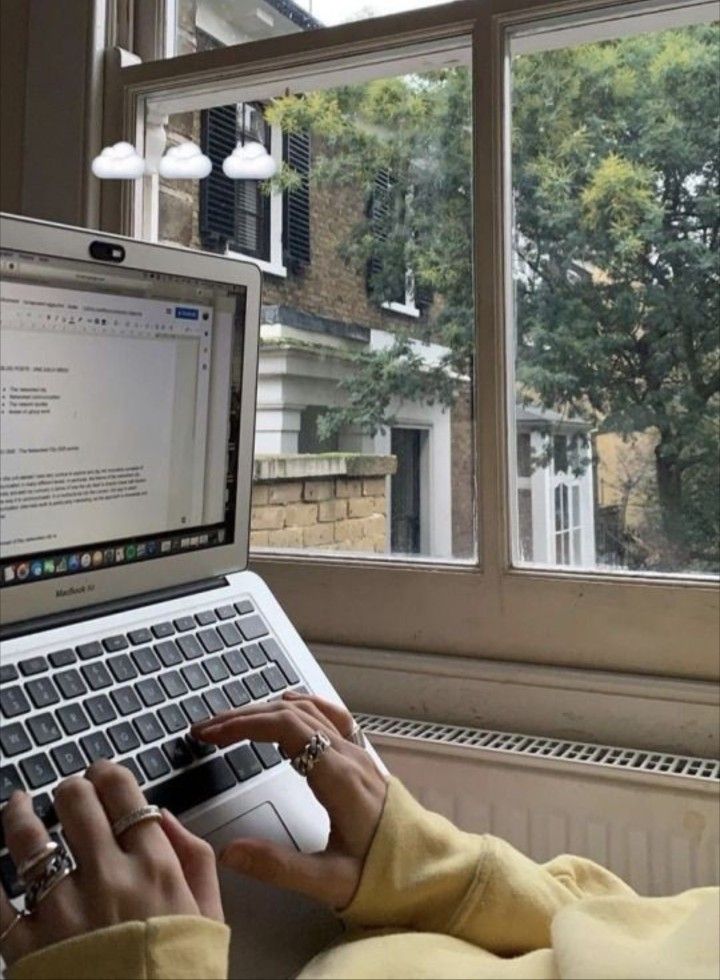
(436, 902)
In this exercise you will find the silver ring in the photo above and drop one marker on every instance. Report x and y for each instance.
(140, 815)
(42, 856)
(8, 929)
(304, 762)
(356, 735)
(57, 869)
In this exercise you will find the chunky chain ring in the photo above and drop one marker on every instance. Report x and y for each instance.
(305, 761)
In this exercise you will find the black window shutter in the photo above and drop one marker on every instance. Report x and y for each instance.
(296, 203)
(217, 192)
(379, 214)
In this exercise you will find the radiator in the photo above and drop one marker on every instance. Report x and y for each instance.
(652, 818)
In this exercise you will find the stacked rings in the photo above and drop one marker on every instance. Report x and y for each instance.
(57, 866)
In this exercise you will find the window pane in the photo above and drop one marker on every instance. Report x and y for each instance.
(616, 222)
(238, 21)
(364, 439)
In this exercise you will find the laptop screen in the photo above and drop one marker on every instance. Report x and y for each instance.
(119, 416)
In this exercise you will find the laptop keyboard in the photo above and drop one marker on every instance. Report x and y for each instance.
(131, 697)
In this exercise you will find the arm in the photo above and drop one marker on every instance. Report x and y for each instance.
(423, 873)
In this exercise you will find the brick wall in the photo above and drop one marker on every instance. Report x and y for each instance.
(333, 501)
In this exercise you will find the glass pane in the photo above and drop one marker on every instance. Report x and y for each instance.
(616, 218)
(239, 21)
(364, 439)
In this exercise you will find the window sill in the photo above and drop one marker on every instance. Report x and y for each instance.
(268, 267)
(404, 309)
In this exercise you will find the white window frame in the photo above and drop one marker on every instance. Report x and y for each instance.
(601, 621)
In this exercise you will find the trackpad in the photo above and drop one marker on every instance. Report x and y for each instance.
(274, 932)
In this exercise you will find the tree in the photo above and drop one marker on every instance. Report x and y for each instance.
(616, 185)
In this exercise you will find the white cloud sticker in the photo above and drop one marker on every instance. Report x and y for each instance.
(185, 161)
(249, 162)
(119, 162)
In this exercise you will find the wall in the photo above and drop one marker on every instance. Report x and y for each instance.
(14, 15)
(332, 501)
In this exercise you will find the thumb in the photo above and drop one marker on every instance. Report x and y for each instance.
(328, 878)
(197, 860)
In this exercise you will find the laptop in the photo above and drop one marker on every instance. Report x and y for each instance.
(127, 417)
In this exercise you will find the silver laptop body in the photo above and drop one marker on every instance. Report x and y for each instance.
(127, 416)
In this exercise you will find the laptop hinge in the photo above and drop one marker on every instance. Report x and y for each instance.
(44, 623)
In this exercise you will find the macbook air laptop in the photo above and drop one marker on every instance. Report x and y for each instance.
(127, 415)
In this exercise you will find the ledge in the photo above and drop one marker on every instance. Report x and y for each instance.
(306, 466)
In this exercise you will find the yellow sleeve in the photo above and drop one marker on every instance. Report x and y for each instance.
(177, 947)
(422, 873)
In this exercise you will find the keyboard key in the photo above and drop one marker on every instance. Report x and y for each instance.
(73, 719)
(173, 684)
(96, 746)
(200, 749)
(267, 753)
(10, 780)
(134, 768)
(195, 676)
(252, 627)
(86, 651)
(206, 618)
(257, 686)
(68, 758)
(62, 658)
(71, 684)
(45, 810)
(161, 630)
(123, 737)
(237, 693)
(195, 708)
(33, 665)
(244, 607)
(172, 718)
(113, 644)
(146, 660)
(140, 636)
(225, 612)
(126, 700)
(150, 692)
(8, 672)
(14, 739)
(8, 876)
(184, 623)
(44, 729)
(168, 653)
(210, 640)
(190, 647)
(244, 762)
(191, 788)
(216, 701)
(154, 763)
(100, 709)
(13, 701)
(122, 667)
(254, 655)
(275, 678)
(38, 770)
(42, 692)
(272, 649)
(236, 662)
(178, 753)
(97, 676)
(148, 727)
(230, 634)
(216, 669)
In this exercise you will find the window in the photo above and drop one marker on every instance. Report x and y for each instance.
(516, 602)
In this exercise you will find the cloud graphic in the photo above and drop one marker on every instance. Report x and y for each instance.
(119, 162)
(185, 161)
(249, 162)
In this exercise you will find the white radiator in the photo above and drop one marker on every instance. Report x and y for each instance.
(652, 818)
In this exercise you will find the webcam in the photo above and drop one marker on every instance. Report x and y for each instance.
(107, 251)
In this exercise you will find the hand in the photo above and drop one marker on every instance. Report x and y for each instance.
(153, 869)
(345, 780)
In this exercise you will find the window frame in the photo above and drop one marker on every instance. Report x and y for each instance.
(492, 610)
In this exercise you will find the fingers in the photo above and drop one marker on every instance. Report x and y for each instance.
(328, 878)
(17, 942)
(84, 822)
(197, 861)
(25, 833)
(119, 794)
(274, 722)
(336, 714)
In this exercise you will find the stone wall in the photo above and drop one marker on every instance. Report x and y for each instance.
(329, 501)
